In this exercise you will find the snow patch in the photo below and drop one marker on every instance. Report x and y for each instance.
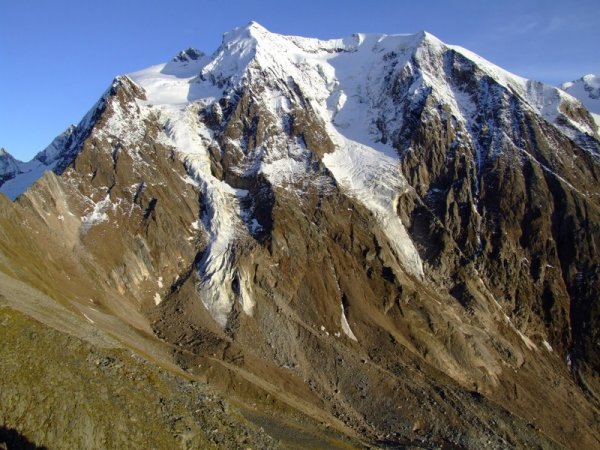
(375, 180)
(528, 342)
(98, 214)
(221, 218)
(88, 319)
(174, 83)
(346, 326)
(246, 299)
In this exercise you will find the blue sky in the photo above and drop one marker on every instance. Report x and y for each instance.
(58, 56)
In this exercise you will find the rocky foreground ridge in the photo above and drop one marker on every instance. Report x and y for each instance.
(378, 241)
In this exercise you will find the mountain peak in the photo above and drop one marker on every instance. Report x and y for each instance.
(6, 160)
(255, 26)
(9, 166)
(587, 90)
(54, 151)
(252, 30)
(187, 55)
(238, 49)
(428, 38)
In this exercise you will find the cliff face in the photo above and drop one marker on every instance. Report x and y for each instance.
(386, 234)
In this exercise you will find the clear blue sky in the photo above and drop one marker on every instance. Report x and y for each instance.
(58, 56)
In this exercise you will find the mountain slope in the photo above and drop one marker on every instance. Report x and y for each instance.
(587, 90)
(386, 233)
(76, 386)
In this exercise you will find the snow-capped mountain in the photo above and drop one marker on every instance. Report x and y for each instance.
(587, 90)
(9, 166)
(345, 80)
(386, 233)
(17, 176)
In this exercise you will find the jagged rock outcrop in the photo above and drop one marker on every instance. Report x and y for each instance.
(384, 233)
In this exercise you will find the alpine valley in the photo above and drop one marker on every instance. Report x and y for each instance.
(381, 241)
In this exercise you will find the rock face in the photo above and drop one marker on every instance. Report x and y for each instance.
(384, 235)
